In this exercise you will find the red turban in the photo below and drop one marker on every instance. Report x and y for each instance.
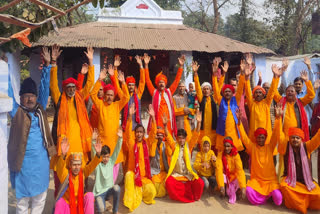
(159, 77)
(130, 79)
(234, 149)
(69, 81)
(261, 131)
(109, 87)
(103, 84)
(258, 87)
(296, 132)
(228, 86)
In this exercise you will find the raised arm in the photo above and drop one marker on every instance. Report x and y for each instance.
(124, 96)
(89, 168)
(45, 79)
(314, 143)
(239, 91)
(170, 141)
(130, 138)
(244, 137)
(81, 76)
(117, 149)
(62, 170)
(142, 81)
(195, 68)
(176, 81)
(216, 90)
(281, 138)
(310, 91)
(196, 132)
(94, 93)
(148, 81)
(90, 78)
(54, 88)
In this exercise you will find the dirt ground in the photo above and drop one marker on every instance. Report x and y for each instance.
(207, 204)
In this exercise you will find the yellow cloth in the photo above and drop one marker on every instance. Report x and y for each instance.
(133, 195)
(204, 157)
(63, 171)
(109, 116)
(187, 149)
(263, 173)
(159, 181)
(290, 119)
(231, 126)
(299, 197)
(74, 135)
(207, 120)
(235, 168)
(260, 111)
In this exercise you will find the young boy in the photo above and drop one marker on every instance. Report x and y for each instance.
(104, 184)
(205, 163)
(230, 171)
(193, 102)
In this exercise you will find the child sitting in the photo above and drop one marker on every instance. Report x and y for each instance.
(230, 171)
(104, 184)
(192, 102)
(205, 163)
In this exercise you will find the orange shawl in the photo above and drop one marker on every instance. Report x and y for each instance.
(63, 122)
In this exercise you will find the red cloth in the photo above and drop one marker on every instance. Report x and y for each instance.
(303, 117)
(108, 87)
(228, 86)
(233, 152)
(315, 122)
(260, 131)
(137, 174)
(130, 79)
(76, 208)
(159, 77)
(126, 110)
(68, 81)
(186, 192)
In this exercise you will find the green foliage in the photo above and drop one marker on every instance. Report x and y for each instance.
(33, 13)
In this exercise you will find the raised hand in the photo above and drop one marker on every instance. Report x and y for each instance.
(238, 114)
(242, 65)
(110, 70)
(119, 132)
(64, 146)
(276, 70)
(151, 111)
(103, 74)
(117, 61)
(259, 75)
(146, 58)
(198, 116)
(139, 60)
(304, 75)
(55, 52)
(46, 55)
(89, 55)
(285, 64)
(121, 77)
(84, 68)
(98, 146)
(248, 57)
(247, 71)
(307, 61)
(164, 120)
(182, 60)
(95, 134)
(278, 110)
(195, 67)
(225, 66)
(132, 109)
(215, 65)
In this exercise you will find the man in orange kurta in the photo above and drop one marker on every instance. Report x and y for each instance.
(294, 113)
(109, 111)
(227, 106)
(263, 182)
(162, 97)
(71, 118)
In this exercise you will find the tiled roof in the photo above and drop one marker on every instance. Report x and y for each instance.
(145, 36)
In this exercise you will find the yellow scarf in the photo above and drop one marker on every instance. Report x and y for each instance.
(186, 158)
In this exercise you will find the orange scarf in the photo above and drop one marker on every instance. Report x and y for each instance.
(63, 123)
(74, 207)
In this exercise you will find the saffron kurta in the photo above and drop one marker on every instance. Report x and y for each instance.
(109, 116)
(235, 168)
(63, 172)
(260, 111)
(163, 107)
(230, 126)
(207, 120)
(263, 177)
(299, 197)
(74, 134)
(133, 194)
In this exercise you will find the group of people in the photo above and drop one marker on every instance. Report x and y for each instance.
(87, 136)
